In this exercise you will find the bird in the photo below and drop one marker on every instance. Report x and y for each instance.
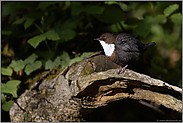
(123, 49)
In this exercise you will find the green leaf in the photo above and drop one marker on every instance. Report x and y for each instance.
(170, 9)
(6, 71)
(6, 32)
(77, 59)
(36, 40)
(10, 87)
(143, 29)
(160, 19)
(7, 105)
(65, 59)
(7, 51)
(31, 58)
(124, 6)
(111, 2)
(19, 21)
(52, 35)
(77, 9)
(176, 18)
(71, 23)
(3, 98)
(157, 30)
(111, 14)
(94, 9)
(8, 8)
(28, 22)
(17, 65)
(67, 34)
(45, 4)
(86, 54)
(29, 68)
(49, 64)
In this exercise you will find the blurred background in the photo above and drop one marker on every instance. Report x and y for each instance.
(39, 36)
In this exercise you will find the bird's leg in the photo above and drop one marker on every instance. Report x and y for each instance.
(122, 69)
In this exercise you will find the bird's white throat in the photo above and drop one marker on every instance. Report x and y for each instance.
(108, 48)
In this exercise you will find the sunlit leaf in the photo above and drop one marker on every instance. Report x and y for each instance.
(19, 21)
(160, 19)
(29, 68)
(52, 35)
(6, 71)
(157, 30)
(31, 58)
(65, 59)
(7, 105)
(36, 40)
(10, 87)
(7, 51)
(3, 99)
(111, 2)
(49, 64)
(17, 65)
(176, 18)
(123, 6)
(57, 61)
(77, 59)
(86, 54)
(28, 22)
(170, 9)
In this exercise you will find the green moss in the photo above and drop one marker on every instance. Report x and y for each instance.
(87, 70)
(58, 70)
(36, 78)
(49, 77)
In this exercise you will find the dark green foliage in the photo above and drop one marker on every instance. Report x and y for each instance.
(51, 34)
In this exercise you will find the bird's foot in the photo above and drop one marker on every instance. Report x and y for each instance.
(122, 69)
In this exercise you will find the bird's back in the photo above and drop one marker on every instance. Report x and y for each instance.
(129, 49)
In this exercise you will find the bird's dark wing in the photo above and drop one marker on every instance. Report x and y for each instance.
(129, 43)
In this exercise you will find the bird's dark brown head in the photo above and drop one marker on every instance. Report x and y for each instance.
(108, 38)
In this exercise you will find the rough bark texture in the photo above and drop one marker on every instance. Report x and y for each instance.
(91, 90)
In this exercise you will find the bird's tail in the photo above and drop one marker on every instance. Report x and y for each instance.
(149, 45)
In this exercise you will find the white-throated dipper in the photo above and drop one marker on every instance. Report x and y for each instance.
(123, 49)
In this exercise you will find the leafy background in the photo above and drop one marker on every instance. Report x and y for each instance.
(38, 36)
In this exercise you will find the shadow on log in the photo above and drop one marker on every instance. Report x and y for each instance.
(91, 90)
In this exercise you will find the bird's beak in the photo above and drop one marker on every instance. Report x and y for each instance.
(96, 39)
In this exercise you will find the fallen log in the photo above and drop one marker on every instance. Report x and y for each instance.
(91, 90)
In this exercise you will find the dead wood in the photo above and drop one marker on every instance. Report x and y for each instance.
(91, 90)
